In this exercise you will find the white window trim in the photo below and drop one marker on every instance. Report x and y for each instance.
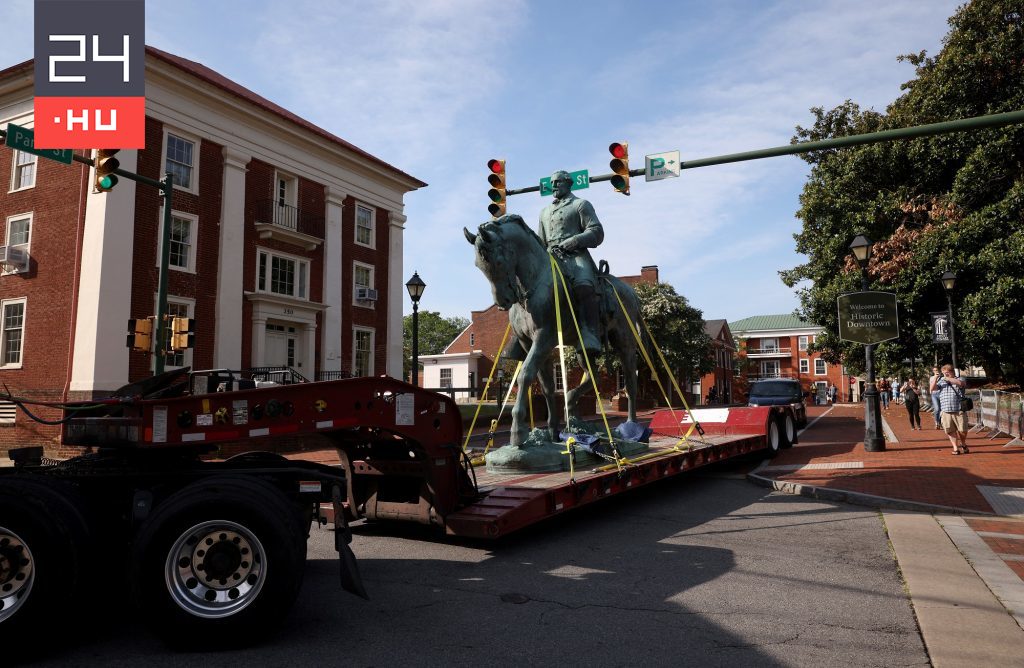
(373, 345)
(26, 246)
(373, 226)
(287, 256)
(803, 342)
(373, 281)
(441, 379)
(8, 407)
(824, 366)
(14, 171)
(4, 303)
(191, 313)
(191, 269)
(805, 365)
(292, 194)
(196, 146)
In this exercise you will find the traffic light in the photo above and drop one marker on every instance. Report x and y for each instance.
(620, 166)
(182, 333)
(106, 164)
(140, 334)
(497, 192)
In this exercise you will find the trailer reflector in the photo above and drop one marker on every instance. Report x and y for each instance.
(310, 487)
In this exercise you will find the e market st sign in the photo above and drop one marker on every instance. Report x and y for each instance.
(868, 317)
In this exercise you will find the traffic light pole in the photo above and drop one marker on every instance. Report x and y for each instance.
(975, 123)
(166, 187)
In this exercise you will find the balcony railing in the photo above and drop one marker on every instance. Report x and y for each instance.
(289, 222)
(769, 352)
(765, 376)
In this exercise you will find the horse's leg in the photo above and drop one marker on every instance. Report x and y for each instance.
(546, 376)
(521, 410)
(573, 396)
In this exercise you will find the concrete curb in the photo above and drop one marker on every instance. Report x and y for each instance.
(856, 498)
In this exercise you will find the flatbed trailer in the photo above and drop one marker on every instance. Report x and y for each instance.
(186, 501)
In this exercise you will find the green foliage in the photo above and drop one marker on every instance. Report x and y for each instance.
(435, 333)
(678, 330)
(950, 202)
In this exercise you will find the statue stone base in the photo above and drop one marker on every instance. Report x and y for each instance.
(540, 455)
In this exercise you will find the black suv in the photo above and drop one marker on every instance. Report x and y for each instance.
(780, 392)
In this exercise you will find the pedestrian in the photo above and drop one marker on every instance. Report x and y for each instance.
(833, 392)
(954, 419)
(936, 408)
(896, 390)
(912, 400)
(883, 392)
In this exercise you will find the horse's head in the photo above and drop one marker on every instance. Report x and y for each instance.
(496, 255)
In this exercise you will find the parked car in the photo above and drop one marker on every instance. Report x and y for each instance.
(780, 392)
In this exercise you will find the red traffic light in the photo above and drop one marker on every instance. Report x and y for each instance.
(618, 150)
(496, 166)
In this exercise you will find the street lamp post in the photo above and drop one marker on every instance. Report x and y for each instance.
(415, 286)
(948, 283)
(873, 441)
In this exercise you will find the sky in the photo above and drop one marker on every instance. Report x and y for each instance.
(438, 87)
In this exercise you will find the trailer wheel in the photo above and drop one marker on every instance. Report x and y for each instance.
(44, 542)
(774, 437)
(788, 429)
(219, 563)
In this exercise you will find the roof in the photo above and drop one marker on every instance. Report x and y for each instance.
(713, 327)
(220, 81)
(782, 321)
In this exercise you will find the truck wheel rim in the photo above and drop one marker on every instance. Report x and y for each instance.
(17, 573)
(790, 428)
(215, 569)
(773, 436)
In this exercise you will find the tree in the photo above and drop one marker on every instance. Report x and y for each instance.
(950, 202)
(678, 330)
(435, 333)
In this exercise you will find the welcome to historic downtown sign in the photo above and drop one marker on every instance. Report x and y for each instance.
(868, 317)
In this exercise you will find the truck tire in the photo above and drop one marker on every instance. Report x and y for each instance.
(788, 424)
(219, 563)
(773, 437)
(44, 545)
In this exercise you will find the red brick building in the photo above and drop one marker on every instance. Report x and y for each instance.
(776, 346)
(286, 247)
(719, 382)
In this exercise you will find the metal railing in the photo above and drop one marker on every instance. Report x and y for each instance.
(769, 352)
(289, 217)
(1002, 413)
(332, 375)
(767, 376)
(283, 375)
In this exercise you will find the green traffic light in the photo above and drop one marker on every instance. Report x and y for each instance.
(619, 183)
(107, 181)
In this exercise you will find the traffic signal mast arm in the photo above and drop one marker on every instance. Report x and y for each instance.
(975, 123)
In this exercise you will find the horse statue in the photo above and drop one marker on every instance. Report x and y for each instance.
(517, 264)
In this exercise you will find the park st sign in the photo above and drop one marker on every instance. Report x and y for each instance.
(868, 317)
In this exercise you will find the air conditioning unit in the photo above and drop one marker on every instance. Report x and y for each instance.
(13, 258)
(366, 294)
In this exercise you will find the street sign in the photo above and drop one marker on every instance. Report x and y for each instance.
(580, 180)
(940, 327)
(868, 317)
(658, 166)
(24, 140)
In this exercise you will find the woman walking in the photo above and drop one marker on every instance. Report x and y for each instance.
(912, 400)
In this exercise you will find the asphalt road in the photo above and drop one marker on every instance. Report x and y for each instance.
(704, 570)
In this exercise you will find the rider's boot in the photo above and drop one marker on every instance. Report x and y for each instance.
(588, 314)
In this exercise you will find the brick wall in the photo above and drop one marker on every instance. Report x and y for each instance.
(363, 316)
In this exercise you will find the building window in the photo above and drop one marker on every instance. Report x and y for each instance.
(282, 275)
(13, 334)
(362, 283)
(19, 233)
(362, 353)
(286, 197)
(446, 377)
(472, 339)
(364, 226)
(8, 412)
(770, 370)
(559, 382)
(24, 171)
(182, 253)
(805, 365)
(819, 367)
(180, 160)
(803, 342)
(769, 345)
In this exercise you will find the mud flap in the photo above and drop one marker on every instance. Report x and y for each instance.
(351, 581)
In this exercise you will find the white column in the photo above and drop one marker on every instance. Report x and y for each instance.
(331, 350)
(227, 347)
(309, 354)
(259, 341)
(396, 293)
(105, 286)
